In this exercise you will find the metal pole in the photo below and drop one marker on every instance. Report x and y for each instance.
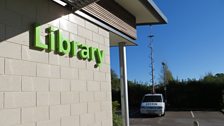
(151, 59)
(152, 67)
(124, 84)
(165, 80)
(164, 73)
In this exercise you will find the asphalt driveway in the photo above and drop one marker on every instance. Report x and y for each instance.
(181, 118)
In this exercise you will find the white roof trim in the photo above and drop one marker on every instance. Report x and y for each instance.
(145, 11)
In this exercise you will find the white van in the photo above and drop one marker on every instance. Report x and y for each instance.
(153, 104)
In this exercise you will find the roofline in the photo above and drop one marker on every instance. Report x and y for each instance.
(153, 23)
(151, 6)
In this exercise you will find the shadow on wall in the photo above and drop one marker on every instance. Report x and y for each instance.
(18, 17)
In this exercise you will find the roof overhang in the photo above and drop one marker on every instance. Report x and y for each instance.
(115, 36)
(115, 39)
(145, 11)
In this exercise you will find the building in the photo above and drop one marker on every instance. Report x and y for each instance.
(55, 58)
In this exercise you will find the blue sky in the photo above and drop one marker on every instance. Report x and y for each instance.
(192, 43)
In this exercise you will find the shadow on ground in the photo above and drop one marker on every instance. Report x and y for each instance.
(137, 114)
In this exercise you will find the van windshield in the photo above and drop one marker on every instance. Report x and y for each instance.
(152, 99)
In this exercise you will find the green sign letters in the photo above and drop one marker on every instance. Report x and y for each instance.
(60, 45)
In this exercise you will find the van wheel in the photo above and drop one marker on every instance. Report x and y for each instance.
(164, 114)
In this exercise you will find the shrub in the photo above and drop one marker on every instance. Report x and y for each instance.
(117, 120)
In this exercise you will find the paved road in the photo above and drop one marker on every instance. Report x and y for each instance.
(185, 118)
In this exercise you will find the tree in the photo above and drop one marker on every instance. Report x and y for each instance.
(115, 83)
(210, 78)
(166, 75)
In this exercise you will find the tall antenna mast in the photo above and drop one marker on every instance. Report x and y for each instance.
(151, 58)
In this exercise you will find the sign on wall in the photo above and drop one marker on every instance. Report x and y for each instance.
(62, 46)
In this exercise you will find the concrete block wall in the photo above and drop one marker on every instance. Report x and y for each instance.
(38, 88)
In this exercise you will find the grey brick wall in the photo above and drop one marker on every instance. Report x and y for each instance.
(44, 89)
